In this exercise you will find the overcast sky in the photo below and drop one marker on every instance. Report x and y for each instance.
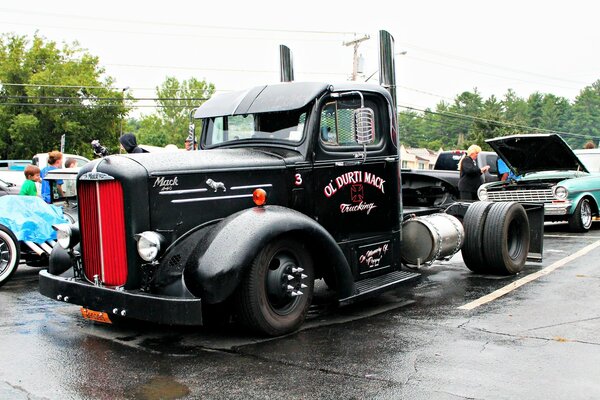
(452, 46)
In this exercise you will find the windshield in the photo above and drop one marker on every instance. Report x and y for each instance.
(285, 126)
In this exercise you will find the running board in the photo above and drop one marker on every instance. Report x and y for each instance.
(372, 286)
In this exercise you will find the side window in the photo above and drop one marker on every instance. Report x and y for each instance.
(336, 127)
(234, 127)
(492, 161)
(328, 127)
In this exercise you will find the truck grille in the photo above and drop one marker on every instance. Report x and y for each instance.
(523, 196)
(102, 226)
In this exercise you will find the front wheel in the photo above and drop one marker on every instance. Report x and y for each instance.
(277, 290)
(9, 254)
(581, 220)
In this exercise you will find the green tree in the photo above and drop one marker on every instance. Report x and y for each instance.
(47, 91)
(515, 113)
(175, 101)
(585, 118)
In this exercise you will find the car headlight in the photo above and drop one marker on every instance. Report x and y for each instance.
(149, 244)
(482, 194)
(561, 192)
(67, 236)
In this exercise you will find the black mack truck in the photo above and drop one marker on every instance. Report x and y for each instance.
(293, 182)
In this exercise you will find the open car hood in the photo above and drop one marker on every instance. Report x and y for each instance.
(536, 152)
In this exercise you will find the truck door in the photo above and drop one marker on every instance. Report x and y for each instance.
(356, 192)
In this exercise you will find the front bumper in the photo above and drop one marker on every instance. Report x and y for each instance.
(131, 304)
(559, 208)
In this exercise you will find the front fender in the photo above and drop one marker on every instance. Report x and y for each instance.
(594, 203)
(216, 267)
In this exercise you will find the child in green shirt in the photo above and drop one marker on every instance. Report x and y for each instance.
(32, 175)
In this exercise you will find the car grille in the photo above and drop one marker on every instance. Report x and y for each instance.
(102, 226)
(522, 196)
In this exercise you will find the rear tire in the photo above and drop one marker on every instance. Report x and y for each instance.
(581, 220)
(269, 301)
(10, 254)
(506, 238)
(473, 222)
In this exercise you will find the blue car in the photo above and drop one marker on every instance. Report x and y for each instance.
(549, 173)
(26, 233)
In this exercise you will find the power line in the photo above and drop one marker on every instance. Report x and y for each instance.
(90, 87)
(177, 24)
(487, 64)
(71, 105)
(106, 98)
(166, 33)
(494, 75)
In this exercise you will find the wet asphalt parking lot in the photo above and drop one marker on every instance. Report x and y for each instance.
(435, 338)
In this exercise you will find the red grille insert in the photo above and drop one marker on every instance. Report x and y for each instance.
(102, 226)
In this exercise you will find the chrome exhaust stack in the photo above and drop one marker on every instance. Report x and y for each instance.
(387, 65)
(286, 64)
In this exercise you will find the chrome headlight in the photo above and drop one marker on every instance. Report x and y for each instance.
(561, 192)
(67, 236)
(482, 194)
(149, 244)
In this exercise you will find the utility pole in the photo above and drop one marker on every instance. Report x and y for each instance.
(122, 117)
(356, 43)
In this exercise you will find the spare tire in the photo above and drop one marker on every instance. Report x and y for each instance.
(473, 222)
(506, 238)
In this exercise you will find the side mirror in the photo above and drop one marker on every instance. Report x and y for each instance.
(364, 125)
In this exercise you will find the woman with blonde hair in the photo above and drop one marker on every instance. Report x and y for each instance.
(470, 174)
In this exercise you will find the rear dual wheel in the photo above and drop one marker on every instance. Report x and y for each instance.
(277, 290)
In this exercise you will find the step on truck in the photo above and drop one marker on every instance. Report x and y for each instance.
(293, 182)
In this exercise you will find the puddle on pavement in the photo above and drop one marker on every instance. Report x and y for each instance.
(161, 388)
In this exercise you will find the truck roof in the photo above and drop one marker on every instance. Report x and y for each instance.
(277, 97)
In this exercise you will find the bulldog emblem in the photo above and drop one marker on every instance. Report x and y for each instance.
(216, 185)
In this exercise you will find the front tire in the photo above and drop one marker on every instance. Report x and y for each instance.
(581, 220)
(10, 254)
(276, 292)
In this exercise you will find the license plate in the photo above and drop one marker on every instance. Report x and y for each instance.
(97, 316)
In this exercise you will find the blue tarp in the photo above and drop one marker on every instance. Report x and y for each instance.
(30, 218)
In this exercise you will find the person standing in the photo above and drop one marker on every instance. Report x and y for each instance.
(470, 174)
(129, 144)
(55, 159)
(32, 175)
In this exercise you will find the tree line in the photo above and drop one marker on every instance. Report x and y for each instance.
(471, 119)
(48, 91)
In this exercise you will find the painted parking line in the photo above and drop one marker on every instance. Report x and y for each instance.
(572, 236)
(529, 278)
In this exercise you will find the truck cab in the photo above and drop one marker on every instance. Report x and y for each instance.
(292, 182)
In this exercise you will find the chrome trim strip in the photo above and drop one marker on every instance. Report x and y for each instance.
(183, 191)
(251, 186)
(210, 198)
